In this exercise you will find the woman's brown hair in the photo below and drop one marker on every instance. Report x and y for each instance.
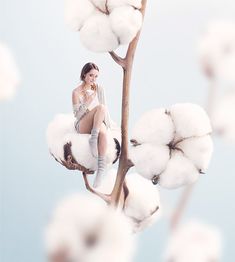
(87, 68)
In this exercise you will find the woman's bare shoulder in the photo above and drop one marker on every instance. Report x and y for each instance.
(77, 89)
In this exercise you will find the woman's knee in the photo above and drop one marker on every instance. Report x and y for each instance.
(103, 130)
(101, 109)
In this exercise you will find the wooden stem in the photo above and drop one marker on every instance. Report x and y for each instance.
(177, 215)
(124, 162)
(105, 197)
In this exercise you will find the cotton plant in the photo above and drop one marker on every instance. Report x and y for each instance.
(194, 242)
(9, 73)
(63, 142)
(216, 49)
(140, 201)
(104, 24)
(172, 146)
(83, 228)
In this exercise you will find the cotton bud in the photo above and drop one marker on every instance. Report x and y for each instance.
(222, 118)
(217, 50)
(194, 242)
(104, 25)
(141, 204)
(61, 131)
(94, 233)
(172, 147)
(9, 73)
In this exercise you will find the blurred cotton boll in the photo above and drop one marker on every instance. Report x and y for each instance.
(141, 202)
(84, 229)
(61, 131)
(9, 73)
(194, 242)
(104, 25)
(172, 147)
(223, 117)
(217, 50)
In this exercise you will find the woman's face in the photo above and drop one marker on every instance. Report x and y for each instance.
(91, 76)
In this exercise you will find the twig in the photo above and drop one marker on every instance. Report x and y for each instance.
(119, 60)
(105, 197)
(175, 218)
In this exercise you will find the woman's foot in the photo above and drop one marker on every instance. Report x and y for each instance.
(93, 141)
(100, 172)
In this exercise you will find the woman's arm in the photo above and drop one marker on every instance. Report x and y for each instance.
(79, 108)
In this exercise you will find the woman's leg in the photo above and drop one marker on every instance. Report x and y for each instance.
(102, 148)
(102, 140)
(92, 119)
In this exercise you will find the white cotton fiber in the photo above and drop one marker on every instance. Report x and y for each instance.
(180, 171)
(190, 120)
(97, 34)
(76, 12)
(117, 3)
(194, 242)
(61, 131)
(125, 23)
(56, 133)
(94, 233)
(154, 126)
(142, 203)
(149, 160)
(9, 73)
(172, 147)
(198, 150)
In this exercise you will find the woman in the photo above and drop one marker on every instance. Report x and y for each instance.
(91, 115)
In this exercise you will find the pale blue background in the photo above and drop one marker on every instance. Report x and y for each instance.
(50, 58)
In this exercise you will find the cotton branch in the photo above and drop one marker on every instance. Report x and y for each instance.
(118, 59)
(124, 163)
(177, 215)
(105, 197)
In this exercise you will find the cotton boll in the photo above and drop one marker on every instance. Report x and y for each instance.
(222, 118)
(154, 126)
(117, 3)
(97, 34)
(198, 150)
(76, 12)
(149, 160)
(101, 233)
(179, 171)
(125, 23)
(61, 131)
(190, 120)
(56, 132)
(9, 73)
(142, 203)
(194, 242)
